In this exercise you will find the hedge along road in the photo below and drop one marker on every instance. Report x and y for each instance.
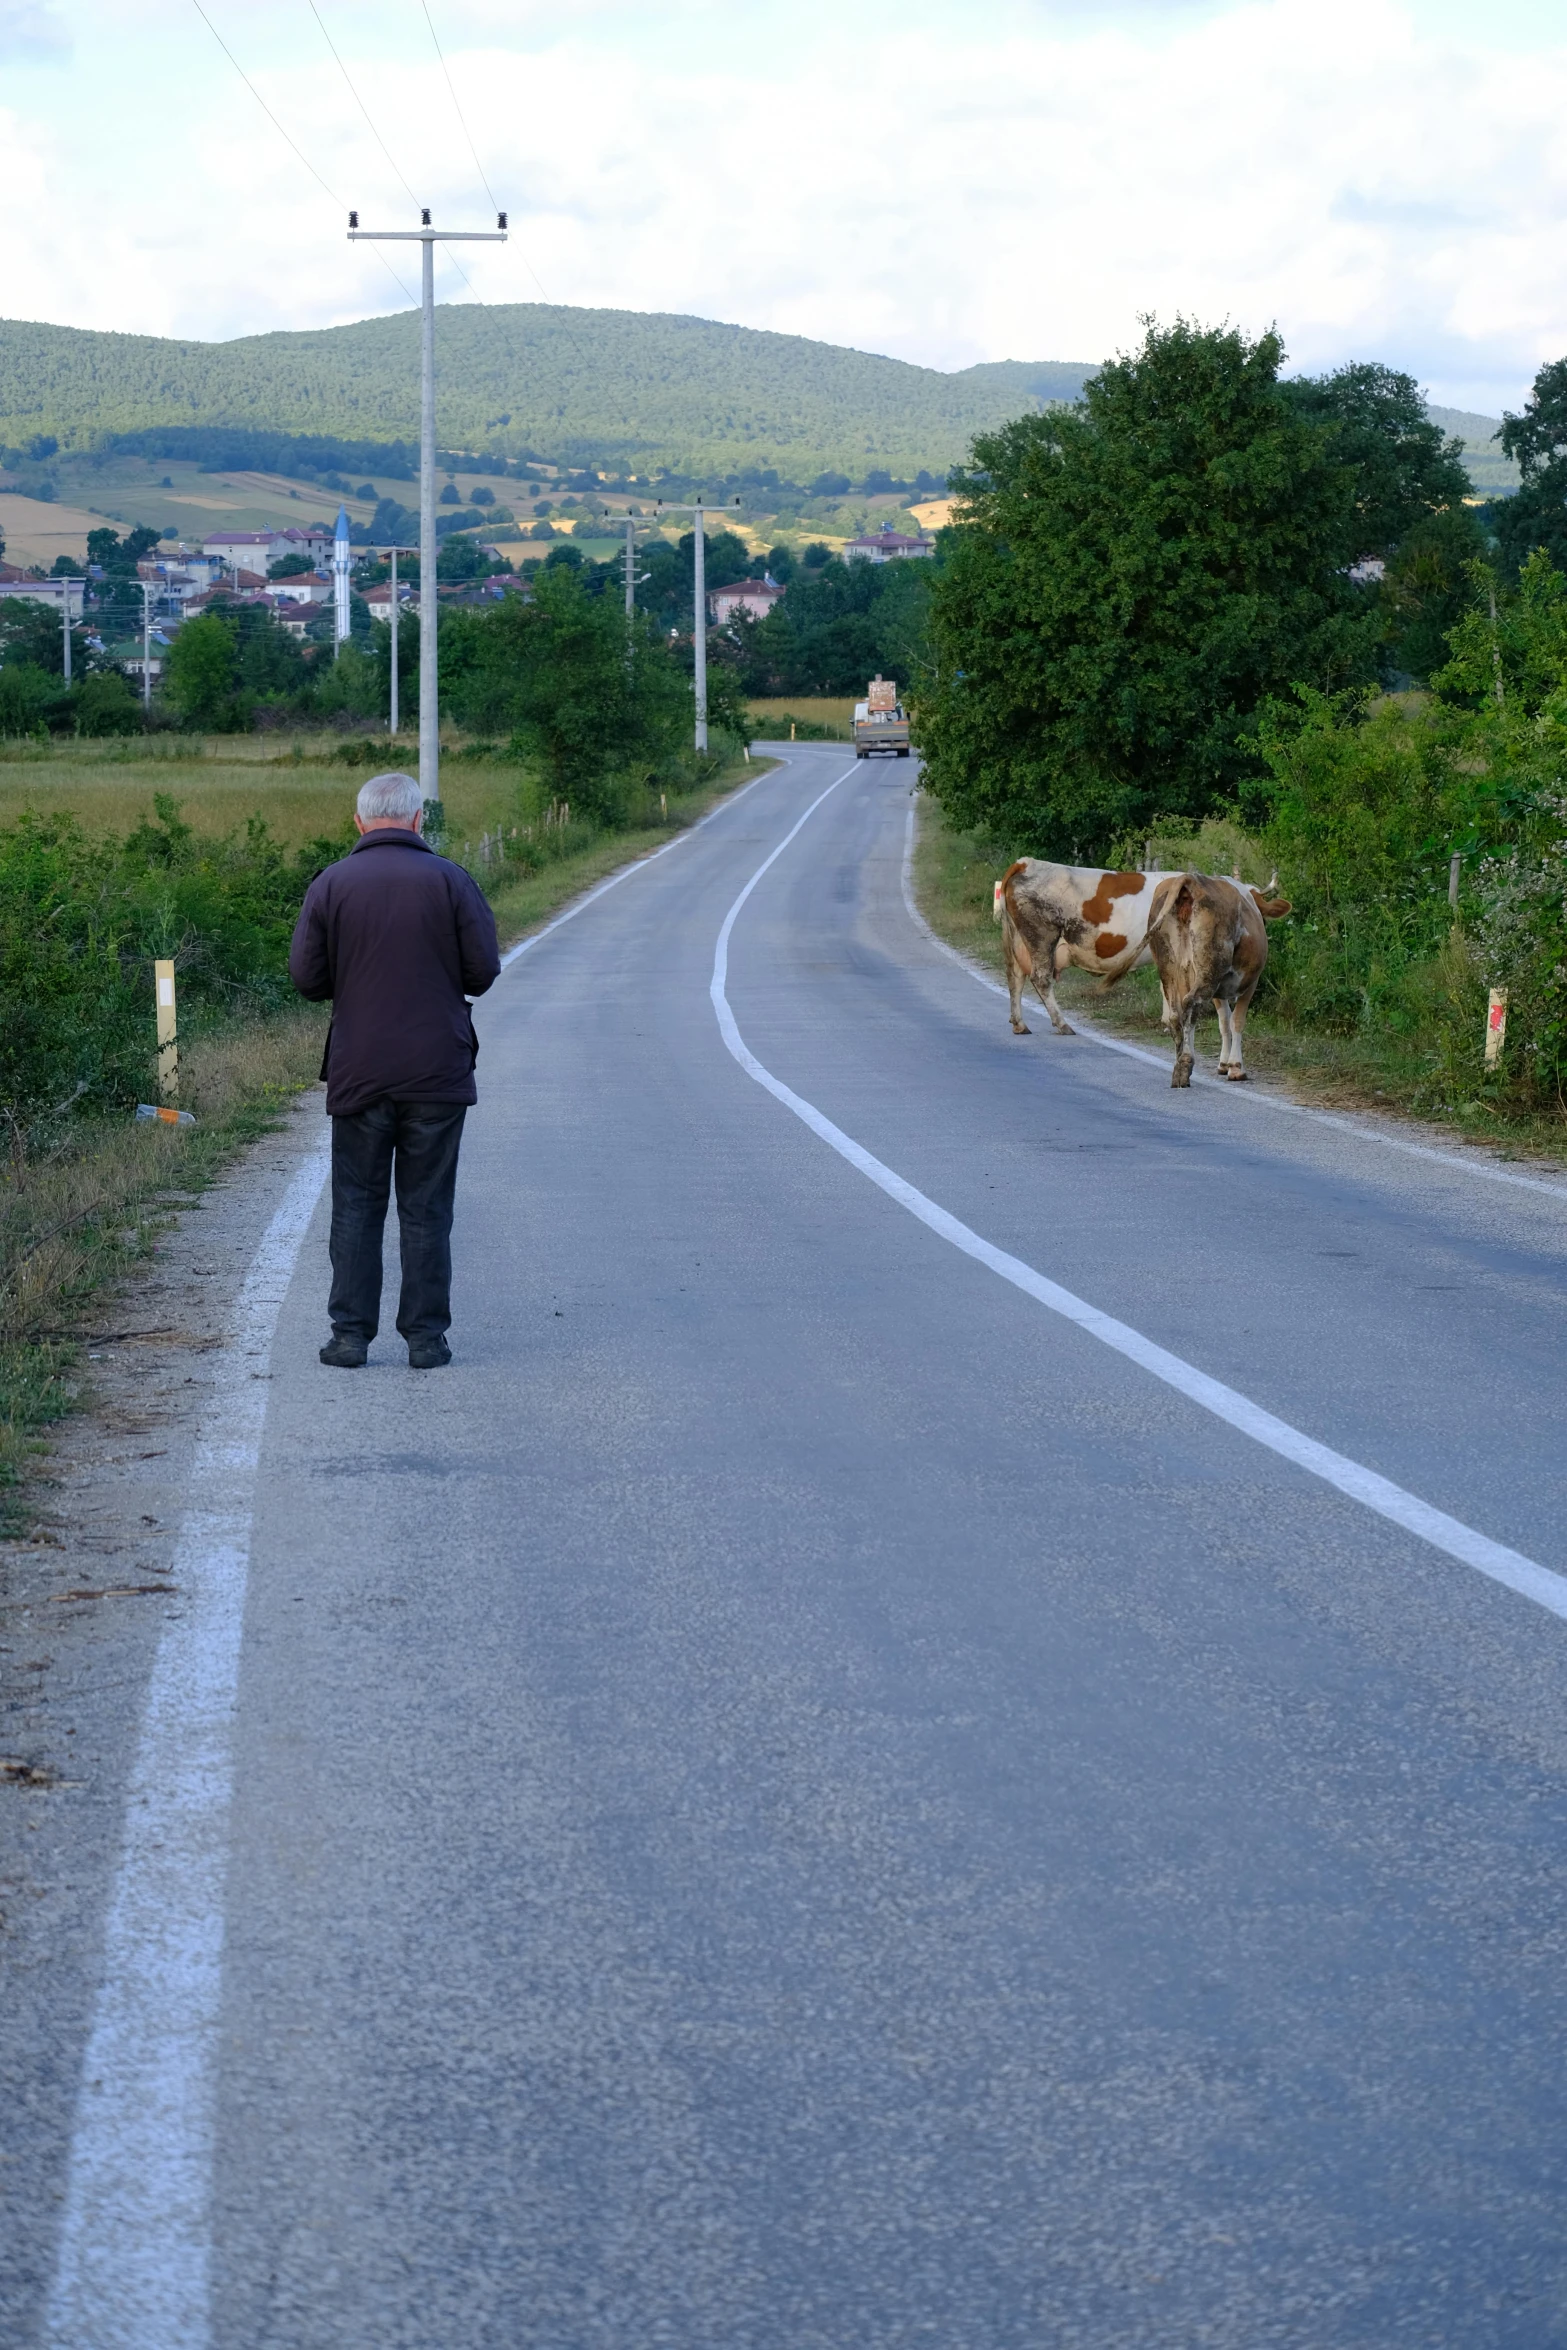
(808, 1794)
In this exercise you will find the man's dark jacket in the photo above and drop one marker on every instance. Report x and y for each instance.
(398, 938)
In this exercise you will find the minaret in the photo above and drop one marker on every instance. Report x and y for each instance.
(340, 562)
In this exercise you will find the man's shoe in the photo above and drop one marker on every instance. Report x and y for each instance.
(345, 1354)
(428, 1354)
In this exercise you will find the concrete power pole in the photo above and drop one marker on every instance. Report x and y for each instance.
(146, 587)
(396, 616)
(66, 586)
(429, 695)
(699, 637)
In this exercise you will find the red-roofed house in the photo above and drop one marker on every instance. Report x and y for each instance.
(886, 546)
(755, 596)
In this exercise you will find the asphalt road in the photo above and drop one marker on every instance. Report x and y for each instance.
(795, 1800)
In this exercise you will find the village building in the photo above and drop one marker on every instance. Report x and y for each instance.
(58, 593)
(753, 596)
(305, 587)
(258, 550)
(887, 546)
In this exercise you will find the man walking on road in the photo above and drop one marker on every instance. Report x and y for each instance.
(398, 939)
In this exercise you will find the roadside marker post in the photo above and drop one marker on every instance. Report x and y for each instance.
(168, 1037)
(1495, 1026)
(1454, 869)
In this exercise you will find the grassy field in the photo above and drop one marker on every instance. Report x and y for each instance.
(296, 786)
(770, 719)
(954, 880)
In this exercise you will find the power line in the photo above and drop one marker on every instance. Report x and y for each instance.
(380, 142)
(359, 102)
(462, 118)
(282, 133)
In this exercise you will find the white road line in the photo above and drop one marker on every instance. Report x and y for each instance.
(1361, 1484)
(132, 2268)
(1257, 1095)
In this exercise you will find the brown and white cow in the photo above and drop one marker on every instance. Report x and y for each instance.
(1209, 941)
(1054, 916)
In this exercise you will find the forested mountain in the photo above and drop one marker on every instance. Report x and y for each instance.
(1487, 463)
(636, 390)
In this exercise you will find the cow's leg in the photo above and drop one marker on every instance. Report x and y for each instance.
(1047, 993)
(1185, 1052)
(1236, 1072)
(1020, 966)
(1229, 1049)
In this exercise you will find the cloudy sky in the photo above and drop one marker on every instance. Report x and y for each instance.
(946, 180)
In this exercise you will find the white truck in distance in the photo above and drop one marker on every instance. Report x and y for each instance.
(880, 722)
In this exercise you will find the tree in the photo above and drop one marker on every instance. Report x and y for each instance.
(556, 674)
(1404, 470)
(1428, 589)
(31, 633)
(1129, 582)
(1537, 516)
(201, 670)
(116, 556)
(1509, 650)
(459, 561)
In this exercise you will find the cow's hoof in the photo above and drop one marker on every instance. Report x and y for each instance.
(1236, 1076)
(1181, 1074)
(1021, 1028)
(1066, 1029)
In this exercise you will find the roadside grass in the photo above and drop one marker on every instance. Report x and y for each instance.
(76, 1220)
(955, 874)
(831, 713)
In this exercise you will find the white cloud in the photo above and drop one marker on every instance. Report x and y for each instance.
(943, 183)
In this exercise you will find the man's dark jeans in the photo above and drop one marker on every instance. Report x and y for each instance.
(419, 1141)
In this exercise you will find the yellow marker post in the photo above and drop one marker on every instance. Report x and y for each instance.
(168, 1047)
(1495, 1026)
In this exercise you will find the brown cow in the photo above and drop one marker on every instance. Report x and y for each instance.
(1053, 916)
(1209, 940)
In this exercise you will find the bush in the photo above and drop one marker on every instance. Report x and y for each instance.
(83, 919)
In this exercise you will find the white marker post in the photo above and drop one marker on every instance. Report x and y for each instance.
(168, 1044)
(1495, 1026)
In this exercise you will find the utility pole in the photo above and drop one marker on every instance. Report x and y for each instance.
(395, 617)
(146, 586)
(427, 237)
(66, 586)
(699, 639)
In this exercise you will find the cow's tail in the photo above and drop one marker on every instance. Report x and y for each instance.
(1001, 896)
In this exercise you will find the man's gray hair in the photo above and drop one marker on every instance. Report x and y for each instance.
(386, 797)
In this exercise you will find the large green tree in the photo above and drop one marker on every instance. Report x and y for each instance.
(1537, 515)
(1405, 470)
(590, 700)
(1128, 583)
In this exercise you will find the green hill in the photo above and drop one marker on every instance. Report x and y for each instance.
(638, 390)
(1488, 468)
